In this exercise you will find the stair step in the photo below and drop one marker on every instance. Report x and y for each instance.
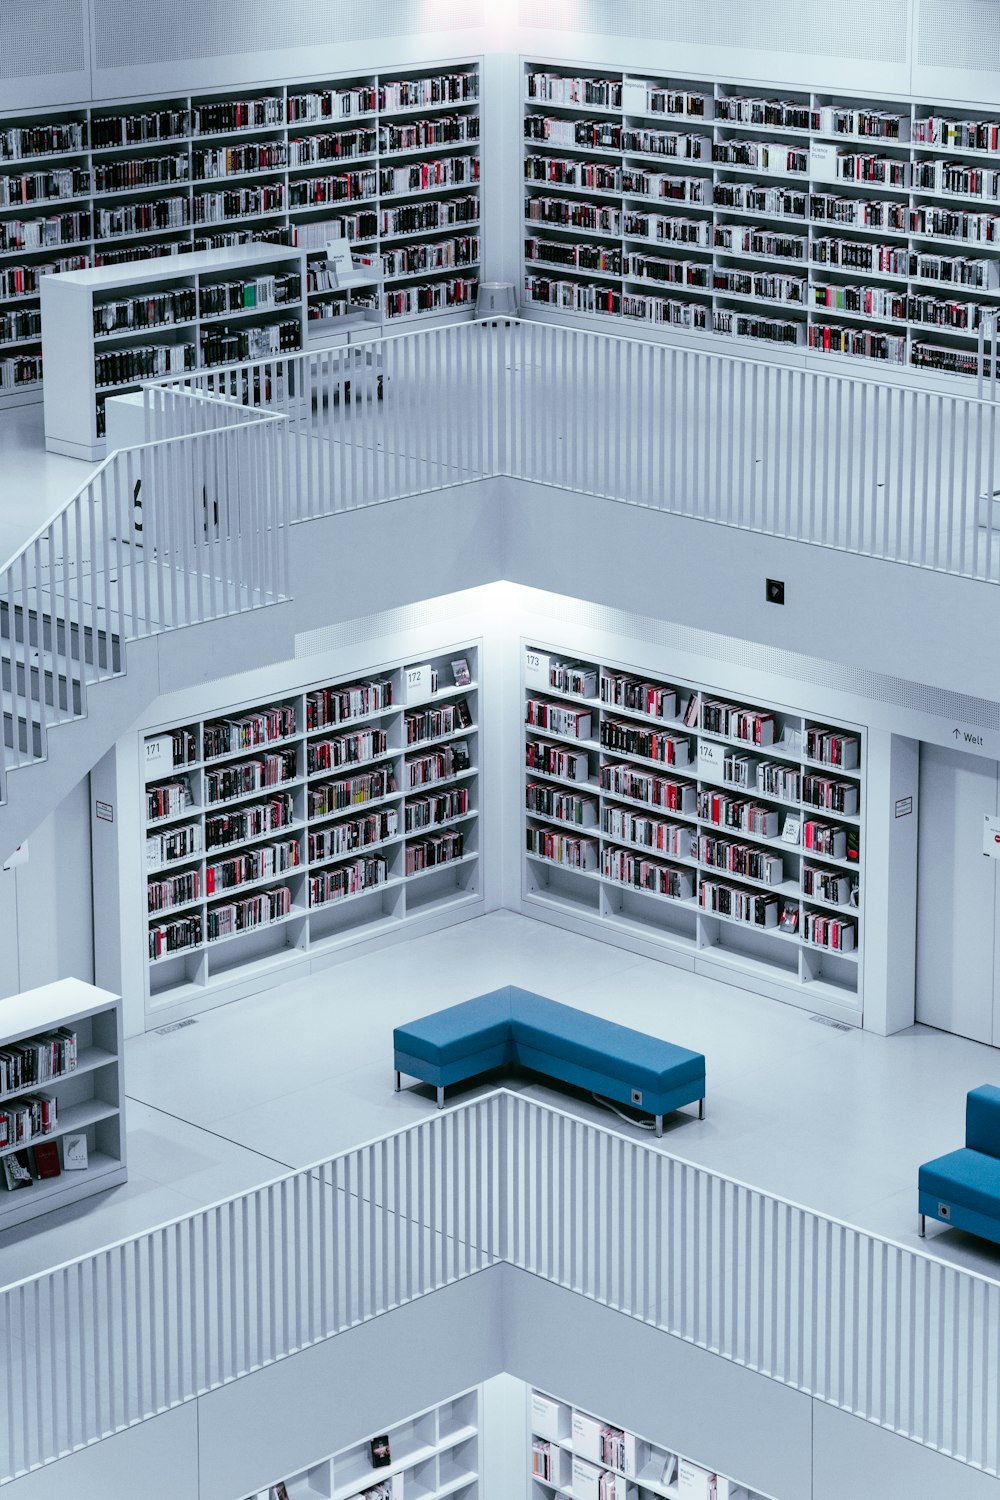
(99, 646)
(64, 696)
(19, 736)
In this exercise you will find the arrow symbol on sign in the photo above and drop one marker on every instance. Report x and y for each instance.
(957, 733)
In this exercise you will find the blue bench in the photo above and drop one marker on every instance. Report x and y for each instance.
(511, 1025)
(963, 1188)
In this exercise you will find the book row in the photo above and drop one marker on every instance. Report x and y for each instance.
(439, 849)
(142, 361)
(24, 323)
(304, 151)
(228, 346)
(436, 296)
(32, 1116)
(626, 868)
(346, 749)
(440, 255)
(227, 782)
(237, 161)
(143, 171)
(341, 839)
(272, 290)
(432, 723)
(145, 312)
(248, 823)
(226, 736)
(333, 705)
(38, 1059)
(348, 880)
(258, 910)
(44, 187)
(420, 176)
(38, 234)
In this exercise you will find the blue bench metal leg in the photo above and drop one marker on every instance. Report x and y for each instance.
(397, 1081)
(923, 1226)
(440, 1094)
(701, 1109)
(659, 1124)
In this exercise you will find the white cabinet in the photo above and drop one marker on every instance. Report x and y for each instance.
(62, 1042)
(108, 328)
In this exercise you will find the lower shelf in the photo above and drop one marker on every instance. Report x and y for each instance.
(189, 977)
(42, 1197)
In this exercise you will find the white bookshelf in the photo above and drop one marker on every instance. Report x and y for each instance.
(287, 164)
(368, 821)
(203, 308)
(794, 228)
(628, 784)
(89, 1098)
(434, 1455)
(574, 1455)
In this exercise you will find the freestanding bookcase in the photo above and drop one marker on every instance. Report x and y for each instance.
(108, 328)
(90, 1098)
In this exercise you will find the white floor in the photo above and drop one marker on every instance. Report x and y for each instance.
(837, 1121)
(33, 484)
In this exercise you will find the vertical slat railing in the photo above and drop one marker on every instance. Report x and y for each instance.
(889, 1334)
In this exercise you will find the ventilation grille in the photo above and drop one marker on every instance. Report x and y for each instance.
(41, 37)
(129, 33)
(959, 36)
(875, 30)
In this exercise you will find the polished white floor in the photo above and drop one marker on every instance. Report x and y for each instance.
(837, 1121)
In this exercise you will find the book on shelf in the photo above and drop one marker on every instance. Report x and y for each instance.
(37, 1059)
(279, 1491)
(380, 1453)
(558, 718)
(16, 1171)
(541, 1459)
(545, 1417)
(789, 917)
(46, 1159)
(75, 1157)
(460, 672)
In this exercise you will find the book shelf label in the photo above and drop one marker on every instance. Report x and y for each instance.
(159, 756)
(633, 98)
(417, 684)
(823, 161)
(536, 668)
(710, 757)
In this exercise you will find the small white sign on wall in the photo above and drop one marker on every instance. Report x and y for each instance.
(417, 683)
(710, 758)
(536, 669)
(991, 836)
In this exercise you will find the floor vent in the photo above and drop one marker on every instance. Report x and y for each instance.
(823, 1021)
(193, 1021)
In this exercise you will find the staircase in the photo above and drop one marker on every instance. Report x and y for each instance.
(94, 590)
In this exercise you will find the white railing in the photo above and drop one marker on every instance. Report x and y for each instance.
(837, 460)
(172, 533)
(888, 1333)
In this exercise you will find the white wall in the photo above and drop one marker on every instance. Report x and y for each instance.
(46, 901)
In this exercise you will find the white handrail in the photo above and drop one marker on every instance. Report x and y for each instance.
(851, 1318)
(827, 458)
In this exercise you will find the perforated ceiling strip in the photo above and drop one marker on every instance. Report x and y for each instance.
(129, 33)
(39, 37)
(959, 36)
(875, 30)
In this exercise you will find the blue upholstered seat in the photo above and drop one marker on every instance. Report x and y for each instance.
(512, 1025)
(963, 1188)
